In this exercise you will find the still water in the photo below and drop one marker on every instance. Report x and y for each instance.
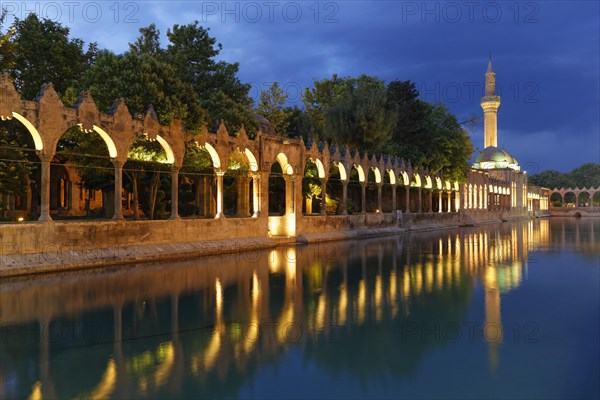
(498, 311)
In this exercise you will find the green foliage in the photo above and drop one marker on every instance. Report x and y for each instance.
(41, 52)
(311, 184)
(350, 111)
(15, 169)
(272, 107)
(88, 154)
(584, 176)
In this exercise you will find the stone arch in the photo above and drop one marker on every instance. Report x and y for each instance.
(311, 186)
(83, 201)
(251, 160)
(216, 160)
(197, 183)
(556, 199)
(361, 172)
(391, 176)
(37, 138)
(583, 201)
(286, 168)
(372, 190)
(236, 186)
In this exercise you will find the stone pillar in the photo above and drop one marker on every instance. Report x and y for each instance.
(344, 197)
(323, 196)
(407, 187)
(440, 200)
(243, 193)
(394, 205)
(45, 188)
(289, 193)
(219, 213)
(420, 209)
(457, 201)
(256, 195)
(449, 202)
(379, 189)
(174, 192)
(118, 215)
(363, 196)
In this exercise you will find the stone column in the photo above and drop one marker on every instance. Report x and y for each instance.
(45, 188)
(174, 192)
(289, 193)
(243, 192)
(345, 197)
(449, 202)
(407, 187)
(363, 202)
(394, 205)
(256, 195)
(440, 200)
(118, 215)
(323, 196)
(219, 213)
(379, 189)
(457, 201)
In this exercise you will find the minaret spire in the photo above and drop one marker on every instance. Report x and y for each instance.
(490, 103)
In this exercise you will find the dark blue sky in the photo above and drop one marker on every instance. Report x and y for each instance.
(546, 55)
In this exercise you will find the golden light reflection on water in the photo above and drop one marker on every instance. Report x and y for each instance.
(358, 287)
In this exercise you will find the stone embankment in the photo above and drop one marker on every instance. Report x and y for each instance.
(58, 246)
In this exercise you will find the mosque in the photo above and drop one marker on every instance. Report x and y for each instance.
(496, 181)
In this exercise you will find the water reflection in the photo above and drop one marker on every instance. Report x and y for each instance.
(205, 328)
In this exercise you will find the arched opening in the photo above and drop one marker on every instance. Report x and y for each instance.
(371, 198)
(147, 179)
(583, 199)
(236, 183)
(556, 199)
(197, 183)
(416, 201)
(389, 178)
(82, 176)
(354, 201)
(277, 190)
(311, 187)
(403, 191)
(335, 188)
(569, 200)
(19, 173)
(596, 199)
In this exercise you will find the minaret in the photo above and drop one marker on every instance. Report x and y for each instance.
(490, 103)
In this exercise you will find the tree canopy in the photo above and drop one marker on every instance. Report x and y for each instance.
(584, 176)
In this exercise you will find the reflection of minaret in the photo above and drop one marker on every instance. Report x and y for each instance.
(490, 103)
(493, 322)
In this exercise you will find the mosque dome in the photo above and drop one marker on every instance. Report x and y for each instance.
(495, 158)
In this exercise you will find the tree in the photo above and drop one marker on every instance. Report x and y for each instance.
(272, 107)
(192, 52)
(42, 52)
(584, 176)
(351, 111)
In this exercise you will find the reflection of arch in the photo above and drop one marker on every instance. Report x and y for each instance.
(112, 149)
(251, 160)
(286, 168)
(37, 139)
(361, 173)
(377, 174)
(167, 148)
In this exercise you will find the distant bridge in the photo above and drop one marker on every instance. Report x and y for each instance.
(580, 199)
